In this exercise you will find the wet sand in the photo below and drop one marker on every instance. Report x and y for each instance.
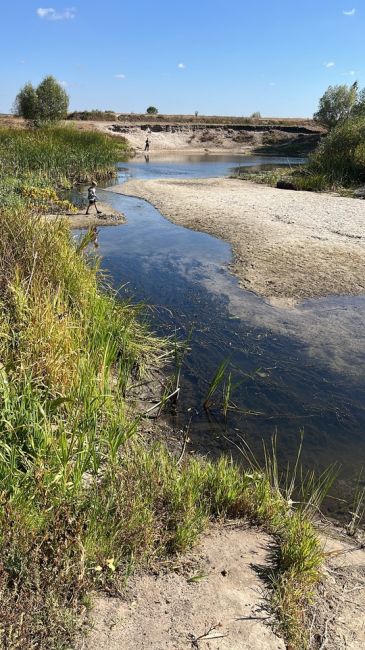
(109, 217)
(287, 245)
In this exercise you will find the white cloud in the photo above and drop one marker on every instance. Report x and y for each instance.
(48, 13)
(330, 64)
(350, 73)
(119, 76)
(272, 83)
(348, 12)
(182, 66)
(63, 83)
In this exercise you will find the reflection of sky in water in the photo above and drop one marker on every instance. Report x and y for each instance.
(176, 165)
(311, 356)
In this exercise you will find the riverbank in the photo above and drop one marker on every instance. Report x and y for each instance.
(287, 245)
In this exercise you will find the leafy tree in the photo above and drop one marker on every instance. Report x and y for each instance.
(359, 108)
(337, 104)
(152, 110)
(46, 103)
(26, 102)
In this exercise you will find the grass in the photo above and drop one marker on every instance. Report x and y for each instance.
(84, 499)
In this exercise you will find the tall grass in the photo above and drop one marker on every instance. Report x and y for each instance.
(58, 154)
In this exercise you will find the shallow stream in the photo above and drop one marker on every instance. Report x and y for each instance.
(299, 368)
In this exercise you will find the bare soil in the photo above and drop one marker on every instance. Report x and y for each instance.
(338, 621)
(214, 599)
(211, 599)
(287, 245)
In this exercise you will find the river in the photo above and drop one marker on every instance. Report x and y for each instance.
(296, 369)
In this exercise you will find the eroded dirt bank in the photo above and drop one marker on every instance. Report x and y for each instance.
(287, 245)
(210, 138)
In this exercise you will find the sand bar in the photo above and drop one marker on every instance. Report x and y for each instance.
(287, 245)
(108, 217)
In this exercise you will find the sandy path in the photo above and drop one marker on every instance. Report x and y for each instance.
(167, 612)
(287, 245)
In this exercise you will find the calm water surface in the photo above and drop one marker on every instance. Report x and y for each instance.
(299, 368)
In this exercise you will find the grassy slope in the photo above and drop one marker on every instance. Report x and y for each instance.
(84, 499)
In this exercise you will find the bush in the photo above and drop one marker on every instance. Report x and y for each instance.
(340, 156)
(152, 110)
(95, 114)
(44, 104)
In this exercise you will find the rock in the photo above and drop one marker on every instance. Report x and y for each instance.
(360, 192)
(285, 185)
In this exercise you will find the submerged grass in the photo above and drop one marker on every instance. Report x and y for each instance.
(84, 498)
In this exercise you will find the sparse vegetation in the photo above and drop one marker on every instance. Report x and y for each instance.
(152, 110)
(95, 114)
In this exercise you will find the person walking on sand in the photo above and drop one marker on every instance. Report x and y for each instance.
(92, 198)
(147, 145)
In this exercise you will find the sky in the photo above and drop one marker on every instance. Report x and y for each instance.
(222, 57)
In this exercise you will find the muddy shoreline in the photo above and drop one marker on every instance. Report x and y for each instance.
(287, 245)
(108, 217)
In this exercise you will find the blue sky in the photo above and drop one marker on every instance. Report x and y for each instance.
(228, 57)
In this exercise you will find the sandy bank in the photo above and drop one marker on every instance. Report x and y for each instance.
(109, 217)
(287, 245)
(175, 611)
(214, 598)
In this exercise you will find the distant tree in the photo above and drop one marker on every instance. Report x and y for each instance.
(26, 102)
(337, 104)
(256, 115)
(359, 108)
(196, 113)
(152, 110)
(46, 103)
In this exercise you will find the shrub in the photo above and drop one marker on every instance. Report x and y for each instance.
(341, 155)
(152, 110)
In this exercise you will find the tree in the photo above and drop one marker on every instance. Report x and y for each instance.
(26, 102)
(337, 104)
(152, 110)
(46, 103)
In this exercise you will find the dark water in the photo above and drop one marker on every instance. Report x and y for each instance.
(298, 368)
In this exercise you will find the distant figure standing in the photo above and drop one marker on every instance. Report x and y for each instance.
(92, 198)
(147, 145)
